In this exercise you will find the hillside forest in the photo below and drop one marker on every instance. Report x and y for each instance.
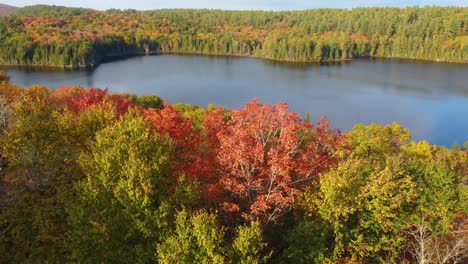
(72, 37)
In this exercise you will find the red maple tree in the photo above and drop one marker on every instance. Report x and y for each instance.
(78, 99)
(192, 155)
(266, 154)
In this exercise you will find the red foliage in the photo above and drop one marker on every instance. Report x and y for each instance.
(51, 22)
(192, 153)
(78, 99)
(8, 91)
(266, 155)
(253, 161)
(214, 122)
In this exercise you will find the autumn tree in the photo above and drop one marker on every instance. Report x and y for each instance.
(122, 201)
(249, 245)
(67, 37)
(4, 78)
(79, 99)
(383, 190)
(364, 198)
(437, 230)
(41, 168)
(309, 240)
(428, 247)
(266, 155)
(192, 154)
(90, 176)
(196, 239)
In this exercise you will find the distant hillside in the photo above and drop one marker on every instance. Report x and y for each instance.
(5, 10)
(77, 37)
(49, 11)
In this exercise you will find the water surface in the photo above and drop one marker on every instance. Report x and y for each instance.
(431, 99)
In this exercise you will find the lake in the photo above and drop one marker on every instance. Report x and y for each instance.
(431, 99)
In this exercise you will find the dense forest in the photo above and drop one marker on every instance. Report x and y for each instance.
(71, 37)
(93, 177)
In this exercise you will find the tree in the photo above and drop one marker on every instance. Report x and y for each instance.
(384, 189)
(309, 240)
(437, 230)
(123, 199)
(266, 155)
(40, 36)
(426, 247)
(196, 239)
(365, 198)
(5, 114)
(40, 170)
(78, 99)
(4, 78)
(248, 247)
(192, 156)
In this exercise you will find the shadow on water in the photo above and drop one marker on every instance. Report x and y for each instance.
(43, 69)
(303, 65)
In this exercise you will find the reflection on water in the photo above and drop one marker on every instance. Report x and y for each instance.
(429, 98)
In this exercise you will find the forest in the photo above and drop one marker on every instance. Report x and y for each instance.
(87, 176)
(74, 37)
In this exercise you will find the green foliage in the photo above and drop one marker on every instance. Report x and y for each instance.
(83, 128)
(441, 177)
(309, 241)
(196, 239)
(383, 188)
(41, 171)
(192, 112)
(122, 200)
(72, 37)
(83, 183)
(5, 115)
(35, 123)
(146, 101)
(365, 205)
(149, 101)
(248, 247)
(375, 141)
(47, 10)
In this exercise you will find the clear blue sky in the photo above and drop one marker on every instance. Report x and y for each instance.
(233, 4)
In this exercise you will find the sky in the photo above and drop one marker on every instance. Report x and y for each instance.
(234, 4)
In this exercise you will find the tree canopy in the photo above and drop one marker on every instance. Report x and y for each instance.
(88, 176)
(73, 37)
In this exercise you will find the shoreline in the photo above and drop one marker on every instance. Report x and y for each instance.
(158, 53)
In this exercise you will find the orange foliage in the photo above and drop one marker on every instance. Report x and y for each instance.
(192, 153)
(266, 155)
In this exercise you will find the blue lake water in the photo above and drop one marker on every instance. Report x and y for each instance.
(431, 99)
